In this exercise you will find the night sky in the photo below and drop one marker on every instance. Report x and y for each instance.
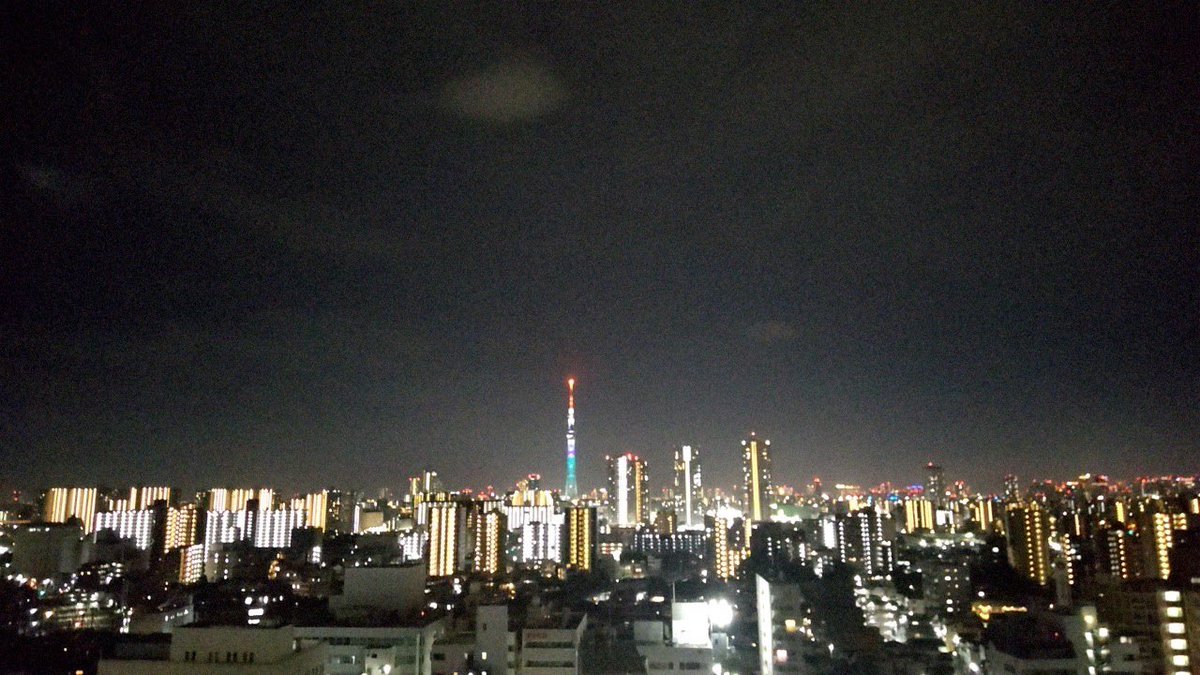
(310, 246)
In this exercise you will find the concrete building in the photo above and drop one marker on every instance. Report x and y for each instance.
(781, 627)
(1028, 645)
(1160, 621)
(403, 649)
(490, 648)
(223, 649)
(369, 593)
(552, 649)
(688, 647)
(42, 551)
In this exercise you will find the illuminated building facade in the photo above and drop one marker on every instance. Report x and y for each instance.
(264, 529)
(982, 511)
(316, 506)
(191, 564)
(140, 499)
(1156, 539)
(135, 525)
(1030, 528)
(756, 478)
(918, 515)
(224, 499)
(489, 545)
(541, 543)
(723, 560)
(582, 541)
(63, 503)
(688, 488)
(571, 488)
(627, 489)
(450, 538)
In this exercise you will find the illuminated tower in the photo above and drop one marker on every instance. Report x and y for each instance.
(571, 490)
(756, 469)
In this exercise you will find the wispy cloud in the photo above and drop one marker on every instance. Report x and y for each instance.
(770, 332)
(508, 91)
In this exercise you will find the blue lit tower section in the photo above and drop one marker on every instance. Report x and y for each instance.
(571, 490)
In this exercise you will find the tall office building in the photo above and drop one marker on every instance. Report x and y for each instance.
(1030, 528)
(935, 484)
(627, 490)
(582, 538)
(688, 486)
(75, 502)
(571, 489)
(756, 472)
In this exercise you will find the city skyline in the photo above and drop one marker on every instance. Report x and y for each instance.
(321, 246)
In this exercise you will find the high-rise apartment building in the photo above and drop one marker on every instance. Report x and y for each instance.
(63, 503)
(223, 499)
(918, 515)
(489, 543)
(450, 538)
(1030, 528)
(688, 486)
(935, 483)
(582, 538)
(627, 491)
(541, 543)
(135, 525)
(756, 475)
(1156, 538)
